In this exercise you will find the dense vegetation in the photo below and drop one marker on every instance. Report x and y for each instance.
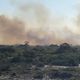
(19, 59)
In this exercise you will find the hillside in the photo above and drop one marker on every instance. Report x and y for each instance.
(21, 59)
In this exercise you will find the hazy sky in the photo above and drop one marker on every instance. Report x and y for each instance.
(47, 21)
(60, 7)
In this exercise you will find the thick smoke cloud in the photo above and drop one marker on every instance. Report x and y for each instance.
(37, 27)
(11, 30)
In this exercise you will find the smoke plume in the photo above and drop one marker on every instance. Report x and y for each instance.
(35, 24)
